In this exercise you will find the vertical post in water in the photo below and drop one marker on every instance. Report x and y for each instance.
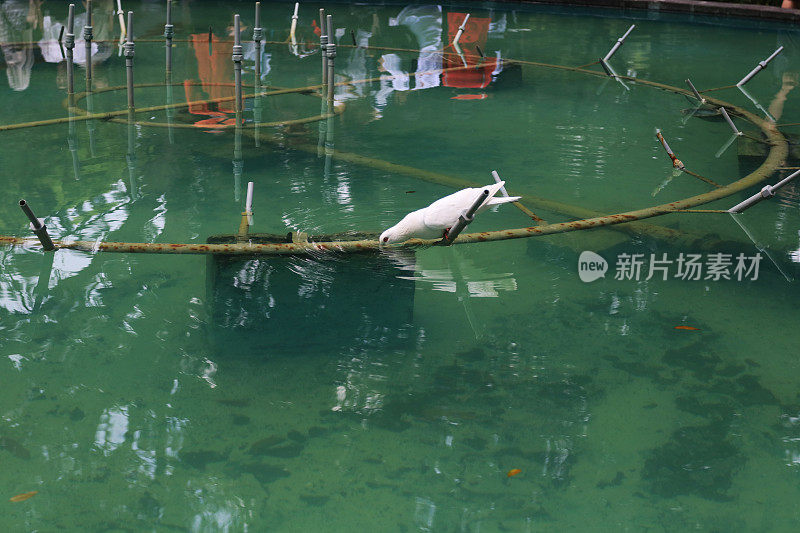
(169, 32)
(258, 34)
(331, 56)
(128, 50)
(87, 37)
(69, 43)
(237, 63)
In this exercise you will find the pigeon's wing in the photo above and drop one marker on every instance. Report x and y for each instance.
(444, 212)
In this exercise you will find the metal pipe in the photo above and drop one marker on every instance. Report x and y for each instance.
(38, 227)
(729, 121)
(169, 32)
(129, 52)
(87, 37)
(238, 56)
(677, 163)
(618, 43)
(331, 53)
(69, 44)
(248, 203)
(258, 34)
(696, 94)
(768, 191)
(323, 46)
(497, 179)
(759, 67)
(465, 218)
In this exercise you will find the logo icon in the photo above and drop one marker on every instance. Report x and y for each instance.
(591, 266)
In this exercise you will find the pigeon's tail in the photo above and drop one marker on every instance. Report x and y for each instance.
(497, 200)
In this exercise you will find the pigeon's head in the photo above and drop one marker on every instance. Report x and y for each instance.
(396, 233)
(390, 235)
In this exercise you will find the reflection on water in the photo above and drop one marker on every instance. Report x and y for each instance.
(327, 393)
(279, 305)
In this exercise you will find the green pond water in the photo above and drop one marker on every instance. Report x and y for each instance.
(394, 392)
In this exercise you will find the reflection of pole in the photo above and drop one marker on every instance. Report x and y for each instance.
(459, 33)
(294, 24)
(323, 46)
(90, 124)
(238, 164)
(737, 218)
(462, 292)
(130, 157)
(322, 129)
(725, 146)
(71, 142)
(87, 37)
(44, 281)
(331, 49)
(69, 43)
(237, 63)
(257, 110)
(170, 110)
(128, 49)
(169, 31)
(122, 31)
(329, 142)
(755, 103)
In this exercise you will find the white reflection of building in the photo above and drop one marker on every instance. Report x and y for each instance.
(111, 430)
(425, 22)
(15, 32)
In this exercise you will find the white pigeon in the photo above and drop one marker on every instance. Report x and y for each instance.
(433, 221)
